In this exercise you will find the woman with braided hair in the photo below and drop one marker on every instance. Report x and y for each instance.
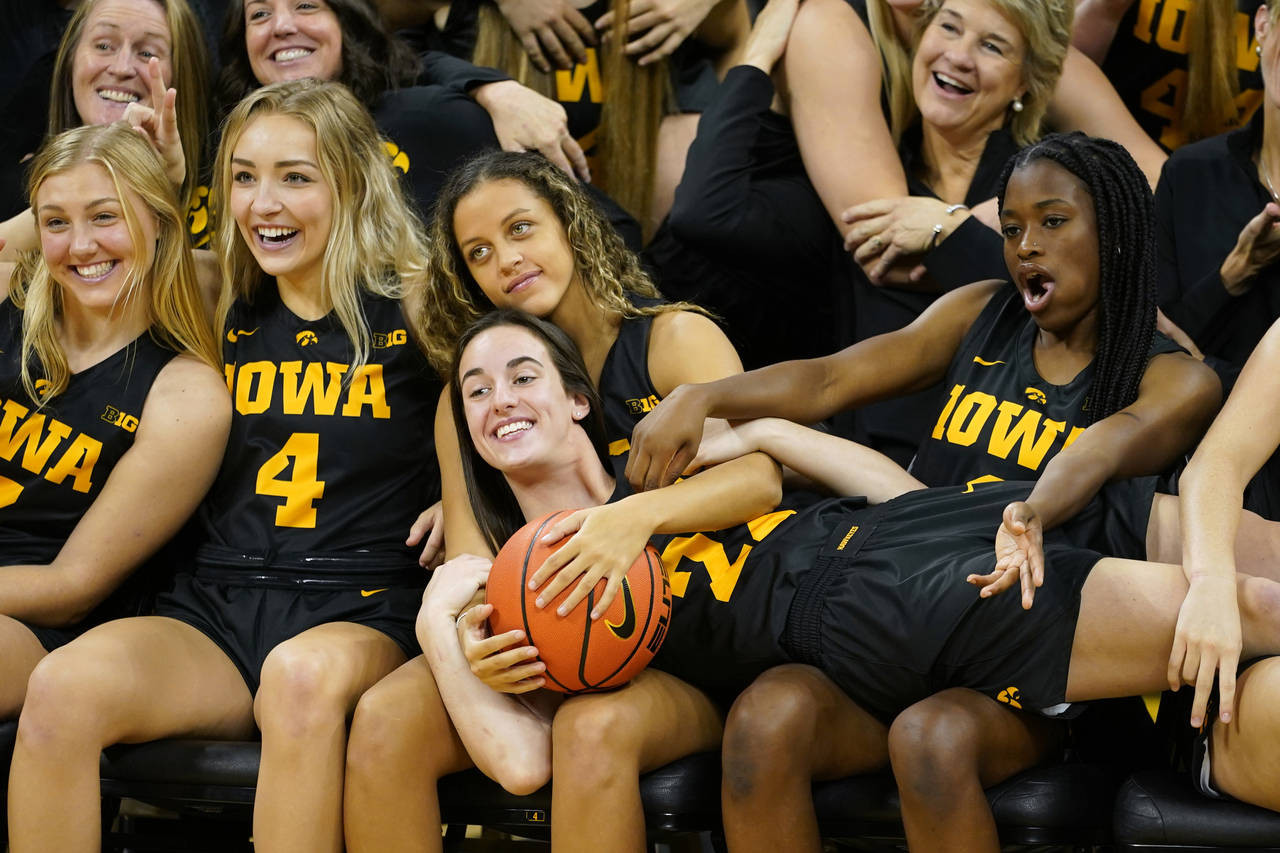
(1059, 376)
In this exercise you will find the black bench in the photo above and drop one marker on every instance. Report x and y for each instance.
(1158, 810)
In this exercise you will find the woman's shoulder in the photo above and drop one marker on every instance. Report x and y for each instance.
(190, 392)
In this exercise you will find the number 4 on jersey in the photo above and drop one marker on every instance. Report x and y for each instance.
(300, 490)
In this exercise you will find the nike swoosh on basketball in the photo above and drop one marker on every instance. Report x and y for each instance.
(365, 593)
(977, 360)
(628, 626)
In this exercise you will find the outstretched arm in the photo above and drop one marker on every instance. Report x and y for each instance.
(1239, 441)
(179, 443)
(806, 391)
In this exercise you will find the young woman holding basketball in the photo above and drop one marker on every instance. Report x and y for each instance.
(303, 593)
(837, 584)
(1056, 377)
(108, 385)
(511, 230)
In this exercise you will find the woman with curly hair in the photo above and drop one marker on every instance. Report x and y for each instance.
(512, 231)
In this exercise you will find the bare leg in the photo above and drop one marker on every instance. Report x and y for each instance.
(1244, 755)
(1257, 540)
(401, 743)
(126, 681)
(675, 135)
(1128, 612)
(946, 749)
(790, 727)
(310, 685)
(20, 651)
(601, 743)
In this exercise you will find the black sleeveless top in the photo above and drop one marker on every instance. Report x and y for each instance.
(54, 460)
(321, 459)
(1147, 63)
(625, 387)
(999, 420)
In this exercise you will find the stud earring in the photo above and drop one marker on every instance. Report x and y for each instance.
(1257, 48)
(1017, 105)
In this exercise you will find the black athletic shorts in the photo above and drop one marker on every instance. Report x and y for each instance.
(892, 621)
(249, 605)
(1115, 521)
(55, 638)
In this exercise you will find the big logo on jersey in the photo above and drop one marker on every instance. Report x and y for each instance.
(45, 450)
(967, 419)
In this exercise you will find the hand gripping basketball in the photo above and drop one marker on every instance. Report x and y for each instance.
(581, 654)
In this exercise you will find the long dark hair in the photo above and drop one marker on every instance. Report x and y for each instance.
(373, 60)
(1126, 260)
(492, 501)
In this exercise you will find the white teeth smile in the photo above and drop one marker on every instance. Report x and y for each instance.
(515, 426)
(276, 235)
(118, 95)
(97, 270)
(291, 53)
(951, 82)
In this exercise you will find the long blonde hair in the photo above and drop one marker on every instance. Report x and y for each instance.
(189, 61)
(1212, 81)
(610, 272)
(636, 100)
(895, 65)
(375, 240)
(175, 312)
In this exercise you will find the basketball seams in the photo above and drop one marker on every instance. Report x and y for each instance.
(524, 589)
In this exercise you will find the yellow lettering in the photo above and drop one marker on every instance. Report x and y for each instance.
(367, 389)
(10, 491)
(619, 447)
(1142, 26)
(711, 555)
(79, 460)
(1246, 57)
(946, 411)
(230, 371)
(323, 395)
(1171, 33)
(980, 406)
(1031, 447)
(763, 525)
(35, 451)
(251, 398)
(301, 490)
(1075, 432)
(569, 84)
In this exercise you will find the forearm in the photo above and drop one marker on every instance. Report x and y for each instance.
(731, 493)
(845, 467)
(42, 595)
(1068, 483)
(502, 735)
(18, 235)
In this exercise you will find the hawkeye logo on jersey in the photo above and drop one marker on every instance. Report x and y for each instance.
(1035, 395)
(234, 335)
(124, 420)
(44, 446)
(306, 338)
(1011, 697)
(383, 340)
(642, 405)
(314, 388)
(966, 419)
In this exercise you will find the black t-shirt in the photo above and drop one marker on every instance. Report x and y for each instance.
(55, 459)
(998, 419)
(1147, 63)
(321, 460)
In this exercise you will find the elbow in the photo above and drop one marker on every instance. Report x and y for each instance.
(522, 775)
(769, 491)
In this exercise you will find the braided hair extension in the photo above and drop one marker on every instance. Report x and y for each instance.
(1126, 260)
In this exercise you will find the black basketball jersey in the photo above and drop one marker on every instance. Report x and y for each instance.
(625, 387)
(733, 589)
(1147, 63)
(322, 458)
(55, 459)
(999, 420)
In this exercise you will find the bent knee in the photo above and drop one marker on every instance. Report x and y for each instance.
(587, 729)
(300, 688)
(68, 697)
(933, 743)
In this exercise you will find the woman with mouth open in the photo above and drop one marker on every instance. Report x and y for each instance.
(870, 595)
(1059, 377)
(302, 591)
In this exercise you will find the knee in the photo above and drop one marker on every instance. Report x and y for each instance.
(392, 737)
(67, 697)
(1260, 606)
(594, 736)
(299, 691)
(767, 737)
(931, 747)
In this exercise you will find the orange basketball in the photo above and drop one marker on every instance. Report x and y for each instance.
(582, 655)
